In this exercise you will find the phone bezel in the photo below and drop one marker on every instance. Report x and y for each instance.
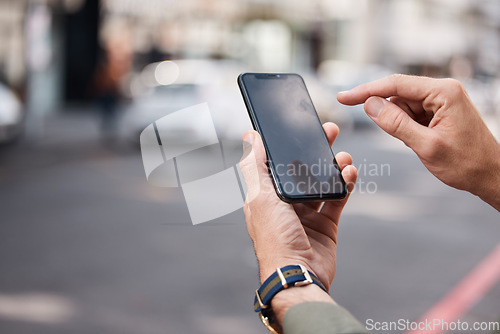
(255, 123)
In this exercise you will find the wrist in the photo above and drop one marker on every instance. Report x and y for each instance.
(287, 298)
(288, 277)
(489, 189)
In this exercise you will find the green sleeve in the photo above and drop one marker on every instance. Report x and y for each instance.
(320, 318)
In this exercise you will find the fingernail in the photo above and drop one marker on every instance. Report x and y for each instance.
(342, 93)
(374, 106)
(248, 140)
(248, 137)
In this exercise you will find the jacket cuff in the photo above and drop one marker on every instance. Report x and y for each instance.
(320, 318)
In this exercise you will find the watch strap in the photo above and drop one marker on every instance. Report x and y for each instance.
(282, 278)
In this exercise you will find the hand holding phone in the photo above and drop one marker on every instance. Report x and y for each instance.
(283, 233)
(299, 157)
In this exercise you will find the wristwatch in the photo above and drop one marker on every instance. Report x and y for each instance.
(282, 278)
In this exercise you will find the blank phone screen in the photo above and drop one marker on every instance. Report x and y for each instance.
(298, 151)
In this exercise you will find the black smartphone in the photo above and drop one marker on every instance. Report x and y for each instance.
(299, 157)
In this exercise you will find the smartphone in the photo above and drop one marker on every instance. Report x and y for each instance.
(299, 158)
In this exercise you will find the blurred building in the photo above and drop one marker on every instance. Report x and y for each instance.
(60, 42)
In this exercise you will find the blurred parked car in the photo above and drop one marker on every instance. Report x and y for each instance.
(165, 87)
(11, 115)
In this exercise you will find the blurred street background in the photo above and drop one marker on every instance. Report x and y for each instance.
(87, 245)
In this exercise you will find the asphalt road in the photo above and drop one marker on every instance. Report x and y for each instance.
(88, 246)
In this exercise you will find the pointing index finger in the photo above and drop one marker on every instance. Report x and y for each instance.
(409, 87)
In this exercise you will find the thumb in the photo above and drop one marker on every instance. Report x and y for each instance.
(395, 121)
(253, 165)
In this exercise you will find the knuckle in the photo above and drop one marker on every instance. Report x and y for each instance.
(245, 163)
(398, 123)
(454, 87)
(246, 209)
(248, 168)
(434, 148)
(253, 202)
(397, 78)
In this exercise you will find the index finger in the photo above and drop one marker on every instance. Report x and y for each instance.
(406, 86)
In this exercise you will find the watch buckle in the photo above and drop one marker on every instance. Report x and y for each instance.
(262, 306)
(308, 277)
